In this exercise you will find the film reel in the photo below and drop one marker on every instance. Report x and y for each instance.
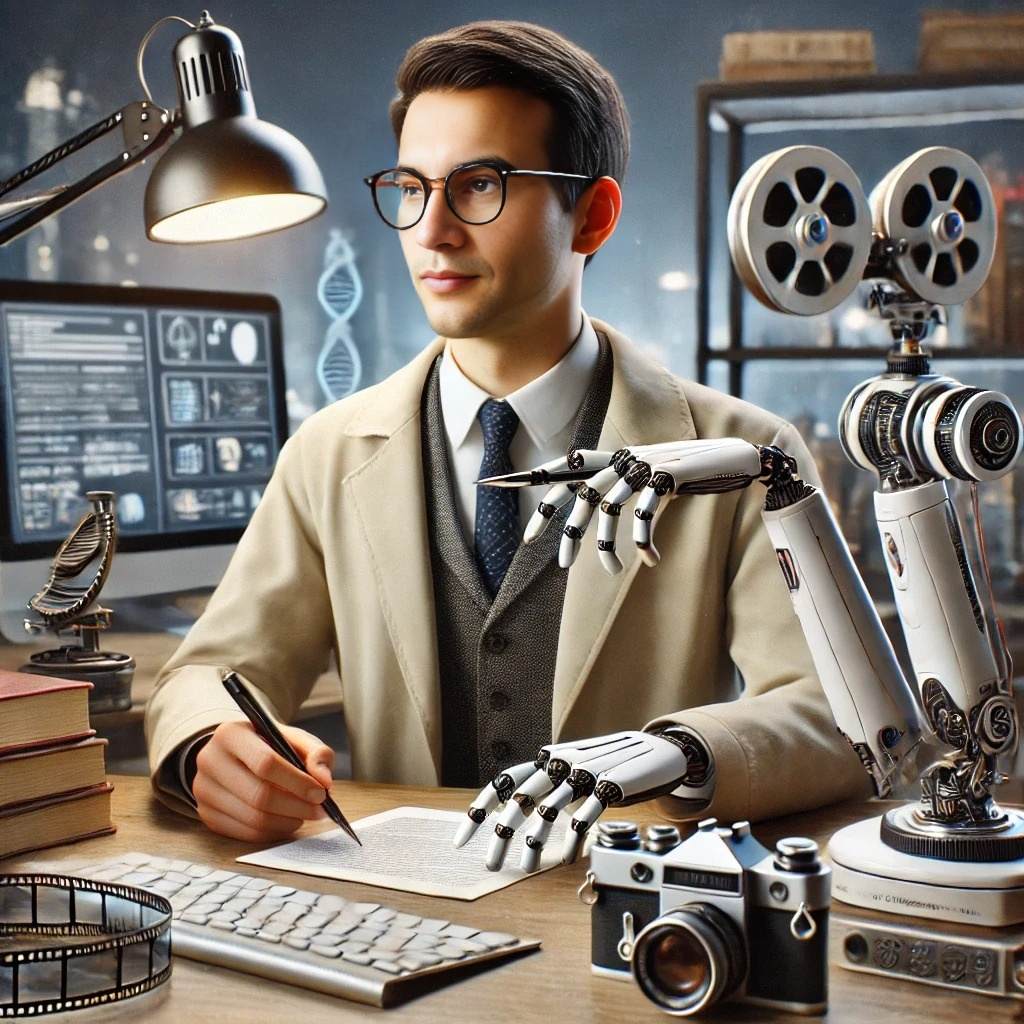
(799, 230)
(940, 201)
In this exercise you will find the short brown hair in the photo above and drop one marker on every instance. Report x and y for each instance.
(590, 129)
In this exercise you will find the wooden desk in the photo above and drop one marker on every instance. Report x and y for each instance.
(554, 985)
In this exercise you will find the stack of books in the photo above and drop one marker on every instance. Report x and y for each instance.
(53, 784)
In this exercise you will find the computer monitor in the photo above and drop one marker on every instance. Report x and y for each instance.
(172, 399)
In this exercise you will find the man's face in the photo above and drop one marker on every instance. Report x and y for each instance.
(516, 274)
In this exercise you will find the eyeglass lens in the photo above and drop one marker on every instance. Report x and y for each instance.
(475, 194)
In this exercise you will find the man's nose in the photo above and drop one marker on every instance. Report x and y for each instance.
(438, 225)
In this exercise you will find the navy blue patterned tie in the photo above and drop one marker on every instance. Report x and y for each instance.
(497, 508)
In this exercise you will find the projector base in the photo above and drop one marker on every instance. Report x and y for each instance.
(867, 873)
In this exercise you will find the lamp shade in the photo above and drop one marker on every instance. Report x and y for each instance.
(232, 178)
(229, 175)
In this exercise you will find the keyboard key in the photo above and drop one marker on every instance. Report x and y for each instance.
(495, 940)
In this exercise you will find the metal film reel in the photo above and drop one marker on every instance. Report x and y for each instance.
(800, 230)
(940, 201)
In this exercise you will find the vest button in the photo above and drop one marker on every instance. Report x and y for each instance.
(499, 700)
(495, 643)
(500, 749)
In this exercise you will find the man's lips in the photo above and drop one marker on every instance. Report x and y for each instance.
(442, 282)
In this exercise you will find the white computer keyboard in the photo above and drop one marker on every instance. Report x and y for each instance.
(366, 952)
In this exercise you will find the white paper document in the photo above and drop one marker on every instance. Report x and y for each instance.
(410, 848)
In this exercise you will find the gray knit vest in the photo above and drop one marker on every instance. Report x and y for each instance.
(496, 659)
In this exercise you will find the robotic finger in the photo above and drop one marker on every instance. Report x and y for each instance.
(608, 525)
(542, 820)
(495, 793)
(635, 478)
(588, 497)
(553, 500)
(643, 524)
(586, 814)
(522, 803)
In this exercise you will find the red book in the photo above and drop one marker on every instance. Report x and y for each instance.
(40, 710)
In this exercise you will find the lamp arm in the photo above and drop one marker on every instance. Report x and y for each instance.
(145, 128)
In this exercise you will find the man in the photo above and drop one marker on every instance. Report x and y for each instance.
(374, 544)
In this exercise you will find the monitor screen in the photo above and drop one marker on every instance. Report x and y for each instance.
(173, 400)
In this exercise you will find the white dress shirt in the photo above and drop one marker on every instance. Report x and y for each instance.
(547, 409)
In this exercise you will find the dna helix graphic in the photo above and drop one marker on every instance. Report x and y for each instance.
(339, 368)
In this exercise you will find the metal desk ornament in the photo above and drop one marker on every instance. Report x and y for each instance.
(72, 943)
(68, 603)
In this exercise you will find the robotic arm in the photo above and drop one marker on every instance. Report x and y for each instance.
(915, 430)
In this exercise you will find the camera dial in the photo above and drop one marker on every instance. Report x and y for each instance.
(797, 853)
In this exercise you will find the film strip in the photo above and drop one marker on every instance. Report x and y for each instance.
(70, 943)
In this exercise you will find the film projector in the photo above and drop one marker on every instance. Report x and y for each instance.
(803, 236)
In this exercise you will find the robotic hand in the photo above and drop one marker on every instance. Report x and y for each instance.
(609, 480)
(618, 769)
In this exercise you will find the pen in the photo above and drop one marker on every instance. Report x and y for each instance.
(269, 732)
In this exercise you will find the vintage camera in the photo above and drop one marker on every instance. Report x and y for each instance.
(712, 918)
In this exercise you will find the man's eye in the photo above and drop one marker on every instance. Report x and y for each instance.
(480, 186)
(410, 190)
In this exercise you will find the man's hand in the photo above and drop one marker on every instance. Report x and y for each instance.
(246, 791)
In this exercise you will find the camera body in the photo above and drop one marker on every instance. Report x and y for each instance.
(714, 917)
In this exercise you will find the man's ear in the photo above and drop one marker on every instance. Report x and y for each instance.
(597, 213)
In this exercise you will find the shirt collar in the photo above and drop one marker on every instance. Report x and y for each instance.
(544, 406)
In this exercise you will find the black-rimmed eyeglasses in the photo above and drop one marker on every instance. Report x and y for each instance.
(475, 193)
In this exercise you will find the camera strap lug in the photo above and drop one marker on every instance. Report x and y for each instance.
(625, 946)
(802, 926)
(586, 892)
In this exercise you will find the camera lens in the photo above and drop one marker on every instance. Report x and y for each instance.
(689, 959)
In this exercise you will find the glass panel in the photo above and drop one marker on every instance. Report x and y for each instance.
(40, 980)
(718, 375)
(93, 972)
(16, 904)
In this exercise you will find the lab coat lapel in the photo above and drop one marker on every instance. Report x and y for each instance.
(646, 406)
(388, 497)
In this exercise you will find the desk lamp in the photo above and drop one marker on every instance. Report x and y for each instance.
(228, 175)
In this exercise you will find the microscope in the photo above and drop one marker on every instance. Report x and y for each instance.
(68, 602)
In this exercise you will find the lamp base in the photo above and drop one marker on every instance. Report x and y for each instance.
(868, 873)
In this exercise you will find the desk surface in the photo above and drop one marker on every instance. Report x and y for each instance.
(553, 985)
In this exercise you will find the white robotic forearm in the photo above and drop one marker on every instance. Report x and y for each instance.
(943, 621)
(870, 700)
(868, 693)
